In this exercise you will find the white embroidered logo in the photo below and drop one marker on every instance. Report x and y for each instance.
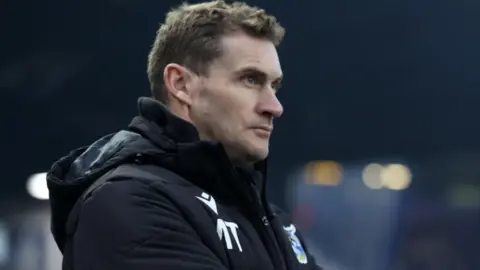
(209, 201)
(225, 229)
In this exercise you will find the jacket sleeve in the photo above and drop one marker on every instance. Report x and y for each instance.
(127, 225)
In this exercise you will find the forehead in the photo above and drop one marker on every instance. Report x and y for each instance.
(241, 51)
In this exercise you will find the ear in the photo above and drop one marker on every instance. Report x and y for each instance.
(177, 80)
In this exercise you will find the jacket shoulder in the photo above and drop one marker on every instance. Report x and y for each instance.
(147, 173)
(130, 217)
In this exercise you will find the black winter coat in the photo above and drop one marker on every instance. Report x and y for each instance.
(154, 197)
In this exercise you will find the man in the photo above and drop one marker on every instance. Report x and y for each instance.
(183, 187)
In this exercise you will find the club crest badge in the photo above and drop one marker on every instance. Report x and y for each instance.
(296, 245)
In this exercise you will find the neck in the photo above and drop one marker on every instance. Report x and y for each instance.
(237, 160)
(179, 110)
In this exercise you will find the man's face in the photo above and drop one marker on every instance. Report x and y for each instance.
(235, 103)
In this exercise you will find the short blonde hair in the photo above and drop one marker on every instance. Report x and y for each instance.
(191, 33)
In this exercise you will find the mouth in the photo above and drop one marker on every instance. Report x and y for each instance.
(263, 131)
(264, 127)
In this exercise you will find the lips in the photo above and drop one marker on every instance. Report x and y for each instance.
(263, 131)
(265, 128)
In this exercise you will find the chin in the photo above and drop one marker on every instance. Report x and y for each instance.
(258, 153)
(248, 152)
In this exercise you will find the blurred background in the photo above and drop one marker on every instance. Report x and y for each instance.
(377, 155)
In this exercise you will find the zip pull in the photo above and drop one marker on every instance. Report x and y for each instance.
(265, 221)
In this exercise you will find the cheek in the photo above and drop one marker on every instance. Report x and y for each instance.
(212, 111)
(214, 103)
(224, 109)
(229, 114)
(235, 105)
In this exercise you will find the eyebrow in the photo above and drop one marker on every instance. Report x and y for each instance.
(254, 70)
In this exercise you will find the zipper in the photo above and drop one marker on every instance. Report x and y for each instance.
(274, 229)
(266, 230)
(258, 216)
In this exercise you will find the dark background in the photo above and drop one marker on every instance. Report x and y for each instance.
(365, 81)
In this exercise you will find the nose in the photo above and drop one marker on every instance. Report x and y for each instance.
(270, 105)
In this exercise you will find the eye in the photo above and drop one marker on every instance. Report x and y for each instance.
(276, 86)
(252, 80)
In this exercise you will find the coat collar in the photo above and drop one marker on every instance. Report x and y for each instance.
(205, 163)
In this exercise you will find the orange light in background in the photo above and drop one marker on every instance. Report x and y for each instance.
(309, 173)
(326, 173)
